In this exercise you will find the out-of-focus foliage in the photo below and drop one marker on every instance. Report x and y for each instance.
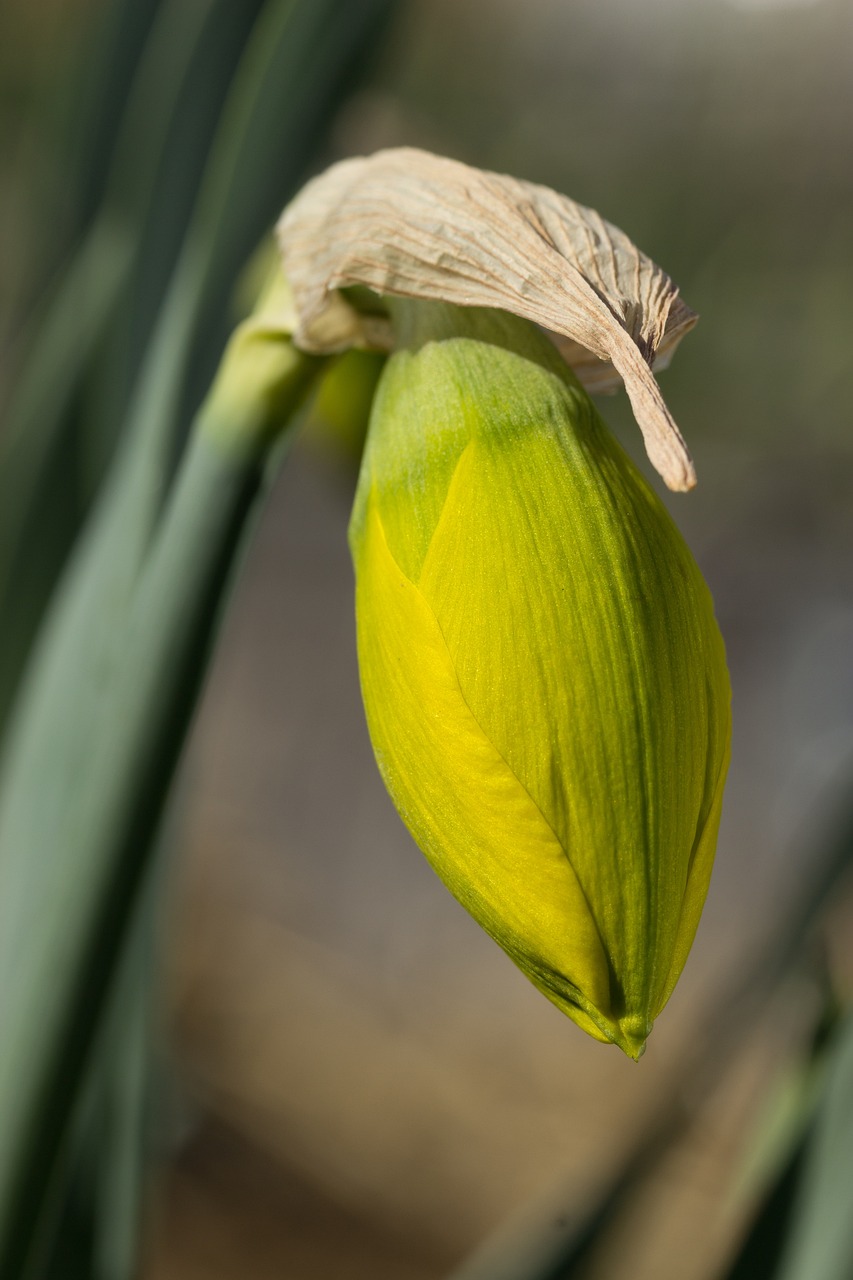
(118, 537)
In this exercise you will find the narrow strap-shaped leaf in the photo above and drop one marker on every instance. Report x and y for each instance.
(87, 769)
(39, 504)
(821, 1230)
(107, 82)
(299, 64)
(160, 201)
(128, 1071)
(89, 1220)
(775, 1155)
(102, 715)
(760, 1251)
(296, 46)
(47, 473)
(292, 74)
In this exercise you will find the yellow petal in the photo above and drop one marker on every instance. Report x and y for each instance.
(465, 807)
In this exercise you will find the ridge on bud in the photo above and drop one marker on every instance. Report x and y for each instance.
(544, 680)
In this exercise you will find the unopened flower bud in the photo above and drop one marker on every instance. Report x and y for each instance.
(544, 679)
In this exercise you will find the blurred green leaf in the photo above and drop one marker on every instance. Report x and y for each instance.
(40, 502)
(90, 1216)
(109, 689)
(126, 1058)
(47, 474)
(759, 1254)
(94, 743)
(301, 62)
(105, 81)
(774, 1158)
(820, 1240)
(297, 66)
(182, 84)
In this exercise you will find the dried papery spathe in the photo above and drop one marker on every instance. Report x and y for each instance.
(404, 222)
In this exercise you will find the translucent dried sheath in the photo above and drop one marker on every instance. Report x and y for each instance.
(414, 225)
(544, 679)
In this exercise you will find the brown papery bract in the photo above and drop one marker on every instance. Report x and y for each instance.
(408, 223)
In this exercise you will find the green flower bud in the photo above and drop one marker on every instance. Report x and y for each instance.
(544, 680)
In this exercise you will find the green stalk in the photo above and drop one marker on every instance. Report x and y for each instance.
(89, 1223)
(108, 692)
(96, 739)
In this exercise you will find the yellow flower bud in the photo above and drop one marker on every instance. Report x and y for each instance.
(544, 680)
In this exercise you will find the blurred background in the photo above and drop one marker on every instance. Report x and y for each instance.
(359, 1083)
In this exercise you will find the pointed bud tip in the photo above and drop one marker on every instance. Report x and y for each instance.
(631, 1035)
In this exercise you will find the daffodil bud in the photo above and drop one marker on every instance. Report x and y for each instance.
(545, 683)
(544, 680)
